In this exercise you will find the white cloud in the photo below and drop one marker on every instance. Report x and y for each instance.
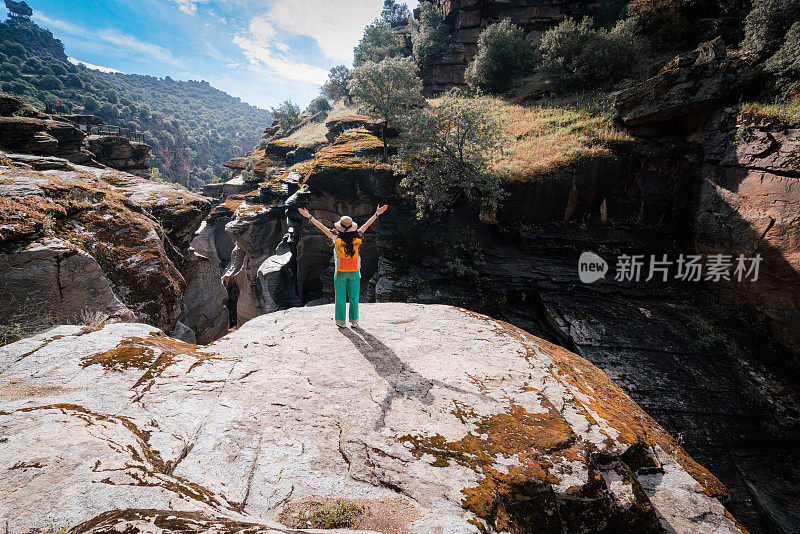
(261, 29)
(261, 54)
(189, 6)
(90, 66)
(61, 25)
(337, 26)
(132, 43)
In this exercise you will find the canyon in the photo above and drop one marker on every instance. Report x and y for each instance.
(714, 364)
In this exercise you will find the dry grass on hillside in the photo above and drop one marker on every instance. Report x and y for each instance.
(313, 134)
(552, 133)
(788, 112)
(309, 135)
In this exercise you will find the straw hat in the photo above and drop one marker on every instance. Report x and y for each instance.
(346, 224)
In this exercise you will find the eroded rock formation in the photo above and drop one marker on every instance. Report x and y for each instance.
(78, 239)
(460, 422)
(26, 130)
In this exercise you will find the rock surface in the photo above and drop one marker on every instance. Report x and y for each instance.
(687, 89)
(83, 238)
(750, 204)
(120, 153)
(408, 410)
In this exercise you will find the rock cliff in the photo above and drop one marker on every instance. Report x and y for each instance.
(26, 130)
(429, 419)
(716, 363)
(75, 239)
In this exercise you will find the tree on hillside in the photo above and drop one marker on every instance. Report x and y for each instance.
(447, 154)
(503, 55)
(378, 43)
(395, 14)
(286, 115)
(336, 86)
(767, 24)
(19, 9)
(430, 35)
(387, 90)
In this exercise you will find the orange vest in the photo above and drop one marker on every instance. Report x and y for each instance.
(345, 263)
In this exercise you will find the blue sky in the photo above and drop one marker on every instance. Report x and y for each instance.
(263, 51)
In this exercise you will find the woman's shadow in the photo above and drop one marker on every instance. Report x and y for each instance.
(402, 379)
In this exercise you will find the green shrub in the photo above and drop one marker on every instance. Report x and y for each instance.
(766, 25)
(447, 153)
(430, 35)
(503, 55)
(577, 56)
(10, 68)
(50, 82)
(378, 43)
(73, 80)
(785, 65)
(286, 115)
(319, 104)
(108, 112)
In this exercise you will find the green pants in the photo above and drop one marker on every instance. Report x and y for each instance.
(346, 286)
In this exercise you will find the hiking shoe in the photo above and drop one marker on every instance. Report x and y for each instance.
(341, 324)
(353, 324)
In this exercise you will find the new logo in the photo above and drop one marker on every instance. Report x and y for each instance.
(591, 267)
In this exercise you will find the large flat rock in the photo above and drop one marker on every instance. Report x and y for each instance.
(430, 418)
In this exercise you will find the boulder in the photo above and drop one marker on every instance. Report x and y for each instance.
(183, 333)
(120, 153)
(43, 137)
(53, 278)
(11, 105)
(338, 126)
(689, 86)
(428, 419)
(277, 276)
(85, 120)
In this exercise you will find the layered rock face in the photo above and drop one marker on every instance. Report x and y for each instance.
(748, 205)
(469, 17)
(28, 131)
(120, 153)
(79, 239)
(747, 174)
(407, 419)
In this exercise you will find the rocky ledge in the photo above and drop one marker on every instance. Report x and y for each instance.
(429, 419)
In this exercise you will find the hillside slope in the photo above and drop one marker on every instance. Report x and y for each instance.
(192, 127)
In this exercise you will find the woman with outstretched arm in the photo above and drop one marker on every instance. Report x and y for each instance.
(346, 239)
